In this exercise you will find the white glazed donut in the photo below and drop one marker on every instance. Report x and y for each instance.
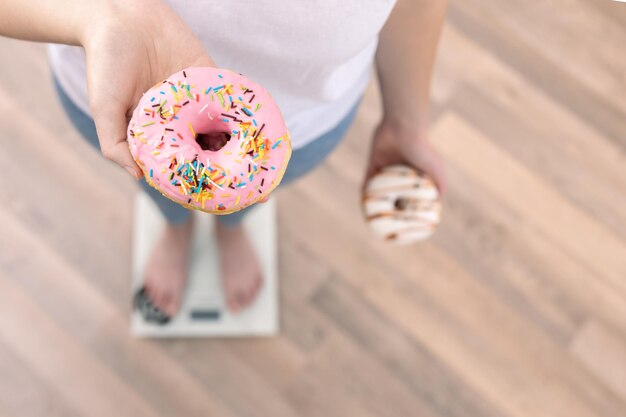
(401, 205)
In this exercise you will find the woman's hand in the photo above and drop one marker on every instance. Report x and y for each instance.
(395, 144)
(405, 60)
(131, 46)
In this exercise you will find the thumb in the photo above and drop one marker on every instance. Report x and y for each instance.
(432, 164)
(111, 126)
(203, 60)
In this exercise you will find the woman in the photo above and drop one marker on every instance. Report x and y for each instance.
(314, 57)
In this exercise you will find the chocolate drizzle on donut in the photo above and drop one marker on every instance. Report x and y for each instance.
(401, 205)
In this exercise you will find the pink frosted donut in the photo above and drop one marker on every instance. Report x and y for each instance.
(210, 139)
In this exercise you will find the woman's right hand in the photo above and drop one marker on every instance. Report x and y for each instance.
(130, 47)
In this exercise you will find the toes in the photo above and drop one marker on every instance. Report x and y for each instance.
(258, 284)
(253, 291)
(153, 295)
(238, 300)
(247, 297)
(234, 302)
(161, 300)
(165, 305)
(241, 298)
(172, 304)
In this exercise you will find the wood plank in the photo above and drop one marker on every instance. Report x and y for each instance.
(90, 320)
(229, 378)
(565, 135)
(548, 28)
(543, 207)
(603, 351)
(600, 110)
(76, 200)
(350, 384)
(304, 326)
(430, 379)
(301, 271)
(586, 181)
(277, 360)
(24, 394)
(57, 358)
(610, 10)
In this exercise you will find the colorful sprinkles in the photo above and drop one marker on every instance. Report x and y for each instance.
(195, 180)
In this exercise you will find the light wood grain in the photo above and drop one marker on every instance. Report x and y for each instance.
(47, 348)
(603, 352)
(515, 308)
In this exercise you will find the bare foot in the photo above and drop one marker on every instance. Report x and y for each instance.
(241, 271)
(166, 272)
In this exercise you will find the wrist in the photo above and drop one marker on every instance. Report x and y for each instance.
(94, 16)
(100, 16)
(405, 129)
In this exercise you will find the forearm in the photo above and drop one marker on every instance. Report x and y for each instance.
(60, 21)
(67, 21)
(405, 60)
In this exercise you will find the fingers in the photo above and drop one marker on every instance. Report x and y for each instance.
(372, 167)
(432, 165)
(388, 150)
(111, 126)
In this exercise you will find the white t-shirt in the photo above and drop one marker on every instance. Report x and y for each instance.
(314, 56)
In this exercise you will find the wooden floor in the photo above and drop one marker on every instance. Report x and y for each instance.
(516, 308)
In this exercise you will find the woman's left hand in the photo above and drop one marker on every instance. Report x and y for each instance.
(395, 144)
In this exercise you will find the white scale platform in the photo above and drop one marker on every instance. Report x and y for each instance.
(203, 312)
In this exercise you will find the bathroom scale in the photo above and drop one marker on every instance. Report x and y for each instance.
(203, 312)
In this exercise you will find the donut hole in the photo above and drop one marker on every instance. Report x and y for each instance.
(402, 203)
(212, 141)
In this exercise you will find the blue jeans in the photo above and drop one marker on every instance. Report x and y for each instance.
(302, 160)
